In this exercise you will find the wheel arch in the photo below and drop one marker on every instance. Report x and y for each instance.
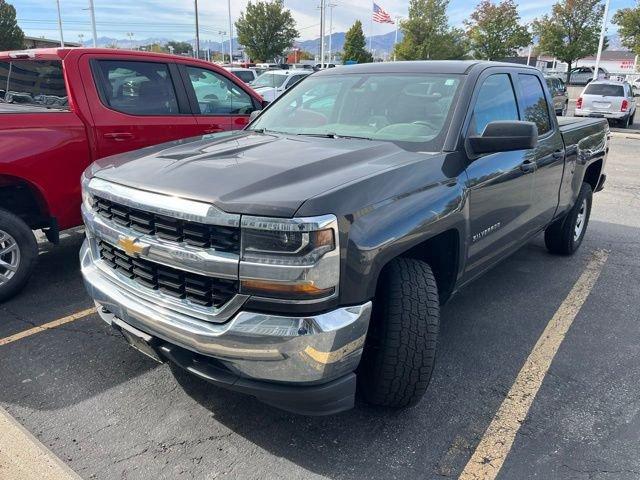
(24, 199)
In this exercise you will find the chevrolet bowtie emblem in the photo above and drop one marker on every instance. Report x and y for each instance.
(131, 246)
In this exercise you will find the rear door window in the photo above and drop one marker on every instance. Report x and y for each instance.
(535, 108)
(137, 88)
(604, 89)
(496, 101)
(28, 85)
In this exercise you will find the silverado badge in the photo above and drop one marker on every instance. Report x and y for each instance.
(131, 247)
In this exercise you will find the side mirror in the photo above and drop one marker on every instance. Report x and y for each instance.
(505, 136)
(254, 115)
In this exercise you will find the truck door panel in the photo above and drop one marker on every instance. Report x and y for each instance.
(134, 103)
(500, 185)
(549, 154)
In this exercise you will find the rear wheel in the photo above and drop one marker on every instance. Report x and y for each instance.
(401, 344)
(624, 122)
(565, 235)
(18, 254)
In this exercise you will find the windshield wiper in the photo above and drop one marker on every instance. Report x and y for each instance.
(333, 135)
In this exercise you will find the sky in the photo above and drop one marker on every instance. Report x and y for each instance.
(175, 18)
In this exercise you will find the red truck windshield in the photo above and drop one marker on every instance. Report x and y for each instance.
(28, 85)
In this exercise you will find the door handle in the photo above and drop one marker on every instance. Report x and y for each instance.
(213, 129)
(528, 166)
(119, 136)
(558, 154)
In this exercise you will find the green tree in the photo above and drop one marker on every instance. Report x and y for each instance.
(179, 48)
(354, 48)
(572, 31)
(628, 21)
(266, 29)
(11, 35)
(494, 30)
(427, 34)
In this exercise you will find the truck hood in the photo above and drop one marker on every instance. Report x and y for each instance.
(251, 173)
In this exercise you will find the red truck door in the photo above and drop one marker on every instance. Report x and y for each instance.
(218, 100)
(135, 102)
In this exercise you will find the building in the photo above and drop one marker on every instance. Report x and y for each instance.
(41, 42)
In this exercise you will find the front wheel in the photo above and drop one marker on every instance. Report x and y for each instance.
(18, 254)
(400, 349)
(565, 235)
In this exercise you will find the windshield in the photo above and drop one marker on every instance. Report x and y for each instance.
(269, 80)
(604, 89)
(411, 110)
(33, 83)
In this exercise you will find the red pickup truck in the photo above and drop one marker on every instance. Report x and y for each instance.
(61, 109)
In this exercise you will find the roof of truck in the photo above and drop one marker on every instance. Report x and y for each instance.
(421, 66)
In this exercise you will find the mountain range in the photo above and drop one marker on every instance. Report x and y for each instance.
(382, 44)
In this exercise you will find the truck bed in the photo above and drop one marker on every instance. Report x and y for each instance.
(582, 129)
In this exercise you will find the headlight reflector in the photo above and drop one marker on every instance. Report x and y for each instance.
(290, 259)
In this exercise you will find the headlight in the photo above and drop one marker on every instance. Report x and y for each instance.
(87, 198)
(290, 259)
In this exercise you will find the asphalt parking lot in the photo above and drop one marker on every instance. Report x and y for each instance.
(110, 413)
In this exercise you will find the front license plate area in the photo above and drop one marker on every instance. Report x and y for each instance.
(139, 340)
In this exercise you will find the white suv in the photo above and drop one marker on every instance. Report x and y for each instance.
(272, 83)
(608, 99)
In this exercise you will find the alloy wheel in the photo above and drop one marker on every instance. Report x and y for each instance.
(9, 257)
(580, 221)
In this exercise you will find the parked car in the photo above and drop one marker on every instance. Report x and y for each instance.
(311, 251)
(61, 109)
(247, 75)
(584, 75)
(272, 83)
(559, 94)
(605, 98)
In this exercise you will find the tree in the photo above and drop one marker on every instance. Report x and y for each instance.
(571, 32)
(494, 30)
(628, 21)
(427, 35)
(11, 35)
(179, 48)
(266, 29)
(354, 48)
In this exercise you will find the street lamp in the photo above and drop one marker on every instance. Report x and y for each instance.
(222, 33)
(331, 5)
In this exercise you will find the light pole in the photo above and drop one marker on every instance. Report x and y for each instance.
(230, 33)
(601, 43)
(222, 33)
(331, 5)
(60, 24)
(130, 35)
(396, 40)
(322, 7)
(197, 30)
(81, 37)
(93, 23)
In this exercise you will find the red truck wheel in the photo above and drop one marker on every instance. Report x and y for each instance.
(18, 254)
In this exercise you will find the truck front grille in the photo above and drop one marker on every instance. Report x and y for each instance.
(199, 289)
(220, 238)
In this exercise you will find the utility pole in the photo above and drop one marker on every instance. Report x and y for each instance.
(331, 5)
(601, 43)
(230, 33)
(222, 33)
(322, 7)
(60, 24)
(197, 30)
(93, 23)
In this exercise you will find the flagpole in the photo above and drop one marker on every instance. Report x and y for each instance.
(371, 28)
(396, 42)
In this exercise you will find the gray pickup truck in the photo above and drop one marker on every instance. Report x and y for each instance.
(310, 253)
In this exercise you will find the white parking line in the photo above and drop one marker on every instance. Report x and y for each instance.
(491, 452)
(23, 457)
(47, 326)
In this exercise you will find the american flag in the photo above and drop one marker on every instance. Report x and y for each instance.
(380, 16)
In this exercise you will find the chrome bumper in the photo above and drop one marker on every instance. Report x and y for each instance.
(292, 349)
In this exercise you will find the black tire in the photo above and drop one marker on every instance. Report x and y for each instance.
(624, 122)
(13, 229)
(400, 349)
(561, 236)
